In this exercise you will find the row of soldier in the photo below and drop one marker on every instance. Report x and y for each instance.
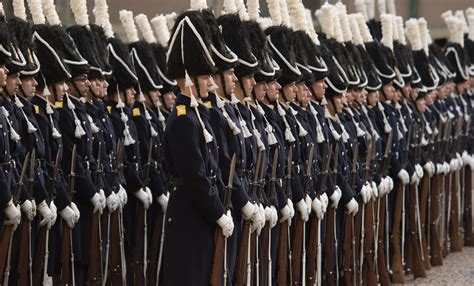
(287, 156)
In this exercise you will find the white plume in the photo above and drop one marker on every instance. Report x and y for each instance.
(264, 22)
(364, 29)
(370, 7)
(229, 7)
(285, 17)
(171, 19)
(356, 36)
(446, 14)
(253, 7)
(145, 28)
(242, 10)
(325, 16)
(197, 4)
(311, 30)
(79, 9)
(337, 26)
(469, 11)
(161, 29)
(50, 12)
(344, 21)
(470, 20)
(274, 10)
(460, 15)
(391, 7)
(401, 31)
(395, 35)
(424, 34)
(19, 9)
(102, 18)
(382, 7)
(387, 30)
(126, 18)
(360, 8)
(454, 29)
(36, 10)
(413, 34)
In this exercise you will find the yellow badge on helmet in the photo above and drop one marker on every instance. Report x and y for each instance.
(37, 109)
(181, 110)
(58, 104)
(136, 111)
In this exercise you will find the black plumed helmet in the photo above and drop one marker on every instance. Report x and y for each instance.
(86, 46)
(313, 55)
(123, 76)
(237, 39)
(223, 57)
(191, 31)
(381, 63)
(100, 40)
(143, 60)
(160, 56)
(423, 68)
(22, 31)
(5, 52)
(458, 60)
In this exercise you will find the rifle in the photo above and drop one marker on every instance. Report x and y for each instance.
(115, 266)
(283, 240)
(299, 238)
(67, 252)
(456, 242)
(446, 186)
(314, 246)
(40, 259)
(267, 230)
(467, 209)
(220, 248)
(243, 257)
(349, 243)
(254, 248)
(382, 249)
(8, 230)
(140, 240)
(332, 267)
(414, 254)
(398, 275)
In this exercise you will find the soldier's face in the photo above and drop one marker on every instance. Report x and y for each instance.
(155, 96)
(3, 75)
(104, 85)
(388, 91)
(273, 90)
(302, 93)
(169, 99)
(289, 91)
(349, 96)
(406, 89)
(372, 97)
(229, 79)
(82, 85)
(13, 84)
(360, 96)
(28, 85)
(248, 83)
(260, 91)
(319, 89)
(421, 105)
(130, 96)
(205, 83)
(96, 87)
(397, 95)
(338, 102)
(60, 89)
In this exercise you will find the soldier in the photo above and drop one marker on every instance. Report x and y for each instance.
(190, 151)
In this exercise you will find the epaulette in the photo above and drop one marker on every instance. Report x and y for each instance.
(208, 104)
(37, 109)
(58, 104)
(181, 110)
(136, 111)
(109, 108)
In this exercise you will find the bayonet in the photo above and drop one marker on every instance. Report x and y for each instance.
(228, 192)
(20, 184)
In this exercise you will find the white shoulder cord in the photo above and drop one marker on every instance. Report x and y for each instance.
(256, 133)
(50, 112)
(13, 134)
(269, 129)
(31, 127)
(302, 131)
(374, 131)
(79, 131)
(387, 127)
(288, 135)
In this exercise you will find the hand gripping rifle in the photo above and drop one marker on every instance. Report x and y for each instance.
(267, 230)
(332, 267)
(220, 248)
(67, 252)
(243, 269)
(41, 257)
(95, 263)
(25, 258)
(283, 242)
(139, 256)
(299, 239)
(314, 266)
(8, 230)
(383, 242)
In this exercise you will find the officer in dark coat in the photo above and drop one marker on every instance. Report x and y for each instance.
(190, 151)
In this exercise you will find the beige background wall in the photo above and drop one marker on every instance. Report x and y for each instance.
(430, 9)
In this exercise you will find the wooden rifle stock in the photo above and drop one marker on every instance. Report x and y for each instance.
(23, 262)
(297, 249)
(368, 264)
(425, 186)
(65, 261)
(384, 278)
(155, 248)
(115, 263)
(138, 247)
(456, 243)
(468, 236)
(398, 275)
(265, 238)
(435, 208)
(38, 259)
(218, 260)
(95, 268)
(347, 249)
(283, 254)
(312, 249)
(330, 248)
(413, 248)
(242, 255)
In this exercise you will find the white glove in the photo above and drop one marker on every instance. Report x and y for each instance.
(142, 196)
(226, 224)
(68, 216)
(262, 216)
(268, 213)
(414, 179)
(352, 207)
(285, 214)
(382, 187)
(113, 202)
(429, 168)
(324, 201)
(308, 202)
(365, 192)
(77, 213)
(33, 203)
(45, 213)
(27, 208)
(317, 208)
(163, 201)
(390, 184)
(96, 204)
(103, 200)
(374, 193)
(274, 217)
(303, 209)
(12, 215)
(419, 171)
(257, 219)
(404, 177)
(446, 168)
(292, 209)
(465, 158)
(123, 196)
(335, 197)
(471, 162)
(453, 165)
(439, 168)
(460, 161)
(54, 212)
(248, 210)
(150, 196)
